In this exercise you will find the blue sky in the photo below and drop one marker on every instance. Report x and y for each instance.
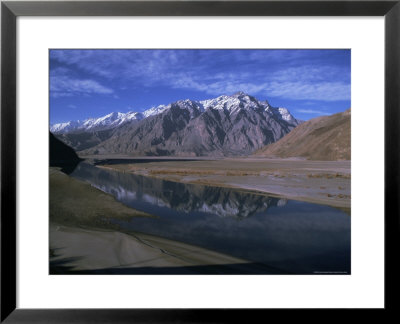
(93, 83)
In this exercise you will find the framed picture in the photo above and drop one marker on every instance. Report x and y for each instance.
(196, 181)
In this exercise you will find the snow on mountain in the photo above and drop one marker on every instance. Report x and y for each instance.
(284, 114)
(66, 127)
(195, 108)
(232, 104)
(155, 110)
(109, 121)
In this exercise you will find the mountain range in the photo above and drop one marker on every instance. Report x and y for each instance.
(321, 138)
(224, 126)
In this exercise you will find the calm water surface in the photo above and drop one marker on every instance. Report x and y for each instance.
(288, 236)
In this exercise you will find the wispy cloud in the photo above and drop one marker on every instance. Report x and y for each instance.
(312, 73)
(59, 71)
(289, 74)
(311, 111)
(127, 64)
(62, 86)
(323, 91)
(227, 86)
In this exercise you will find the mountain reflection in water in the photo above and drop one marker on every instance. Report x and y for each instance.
(293, 236)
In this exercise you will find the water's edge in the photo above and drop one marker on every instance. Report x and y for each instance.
(294, 236)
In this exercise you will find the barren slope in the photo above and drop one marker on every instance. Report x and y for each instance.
(323, 138)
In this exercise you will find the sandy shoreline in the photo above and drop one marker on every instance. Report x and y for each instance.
(321, 182)
(75, 250)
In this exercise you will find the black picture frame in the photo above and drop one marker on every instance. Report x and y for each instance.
(10, 10)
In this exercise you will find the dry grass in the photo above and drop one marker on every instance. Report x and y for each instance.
(341, 196)
(329, 175)
(76, 203)
(190, 172)
(325, 138)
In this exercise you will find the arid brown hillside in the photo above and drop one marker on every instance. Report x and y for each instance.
(322, 138)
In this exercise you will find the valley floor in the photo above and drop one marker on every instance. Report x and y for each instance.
(321, 182)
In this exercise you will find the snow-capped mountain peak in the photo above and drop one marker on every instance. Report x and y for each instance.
(66, 127)
(284, 114)
(232, 104)
(111, 120)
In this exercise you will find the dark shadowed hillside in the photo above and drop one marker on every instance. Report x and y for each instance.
(61, 155)
(321, 138)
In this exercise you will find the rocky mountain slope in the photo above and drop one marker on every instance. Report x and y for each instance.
(84, 140)
(321, 138)
(223, 126)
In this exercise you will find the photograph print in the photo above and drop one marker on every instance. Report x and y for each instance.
(200, 161)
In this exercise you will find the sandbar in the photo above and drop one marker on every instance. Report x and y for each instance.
(321, 182)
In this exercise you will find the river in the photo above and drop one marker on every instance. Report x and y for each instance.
(290, 236)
